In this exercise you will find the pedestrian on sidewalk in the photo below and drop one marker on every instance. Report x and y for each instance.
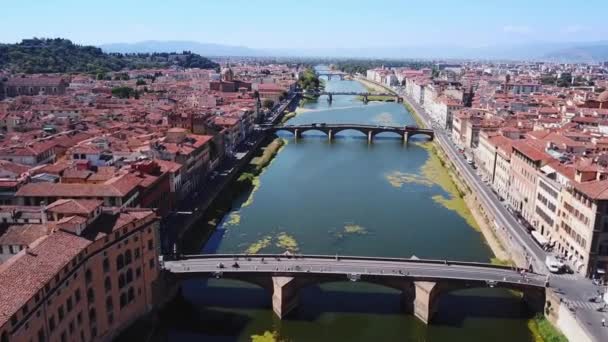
(603, 322)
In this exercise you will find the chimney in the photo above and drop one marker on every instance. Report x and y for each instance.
(43, 219)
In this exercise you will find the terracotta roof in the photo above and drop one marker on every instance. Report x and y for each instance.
(597, 190)
(27, 274)
(69, 190)
(23, 234)
(72, 206)
(533, 153)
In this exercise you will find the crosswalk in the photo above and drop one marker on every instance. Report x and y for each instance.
(584, 304)
(567, 276)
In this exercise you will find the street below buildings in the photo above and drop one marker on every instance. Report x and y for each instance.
(575, 290)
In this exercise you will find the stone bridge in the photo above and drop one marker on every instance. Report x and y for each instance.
(330, 74)
(405, 132)
(365, 95)
(421, 282)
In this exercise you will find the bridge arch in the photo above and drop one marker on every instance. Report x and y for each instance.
(429, 135)
(387, 134)
(336, 131)
(431, 293)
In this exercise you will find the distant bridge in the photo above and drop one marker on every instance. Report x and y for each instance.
(406, 132)
(365, 95)
(330, 74)
(421, 282)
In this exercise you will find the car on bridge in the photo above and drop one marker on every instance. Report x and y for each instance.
(411, 127)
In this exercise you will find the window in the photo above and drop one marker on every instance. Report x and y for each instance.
(88, 276)
(151, 263)
(123, 300)
(129, 276)
(77, 295)
(52, 323)
(90, 294)
(120, 262)
(79, 318)
(14, 320)
(69, 304)
(106, 265)
(109, 304)
(138, 273)
(92, 315)
(131, 294)
(110, 319)
(41, 336)
(150, 245)
(121, 281)
(108, 284)
(128, 257)
(64, 336)
(136, 253)
(60, 313)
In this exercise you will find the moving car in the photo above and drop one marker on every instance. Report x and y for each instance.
(553, 264)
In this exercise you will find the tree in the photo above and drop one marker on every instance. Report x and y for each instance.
(124, 92)
(62, 56)
(267, 103)
(256, 94)
(140, 82)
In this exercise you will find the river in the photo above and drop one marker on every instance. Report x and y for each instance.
(347, 197)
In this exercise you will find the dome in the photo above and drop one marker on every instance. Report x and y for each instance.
(603, 97)
(227, 74)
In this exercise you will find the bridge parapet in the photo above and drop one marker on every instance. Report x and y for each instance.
(422, 282)
(406, 132)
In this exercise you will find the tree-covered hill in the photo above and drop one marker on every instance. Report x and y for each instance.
(62, 56)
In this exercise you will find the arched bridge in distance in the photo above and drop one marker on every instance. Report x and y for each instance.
(421, 282)
(406, 132)
(330, 74)
(364, 94)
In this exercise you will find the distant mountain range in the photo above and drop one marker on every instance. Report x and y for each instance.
(206, 49)
(562, 52)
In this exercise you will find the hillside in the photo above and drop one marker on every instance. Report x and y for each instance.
(62, 56)
(207, 49)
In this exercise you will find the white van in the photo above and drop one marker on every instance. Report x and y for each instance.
(553, 264)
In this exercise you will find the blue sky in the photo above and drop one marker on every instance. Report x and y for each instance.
(308, 23)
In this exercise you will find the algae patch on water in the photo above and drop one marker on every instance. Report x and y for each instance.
(234, 219)
(355, 229)
(267, 336)
(259, 165)
(434, 172)
(349, 229)
(398, 179)
(257, 246)
(287, 242)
